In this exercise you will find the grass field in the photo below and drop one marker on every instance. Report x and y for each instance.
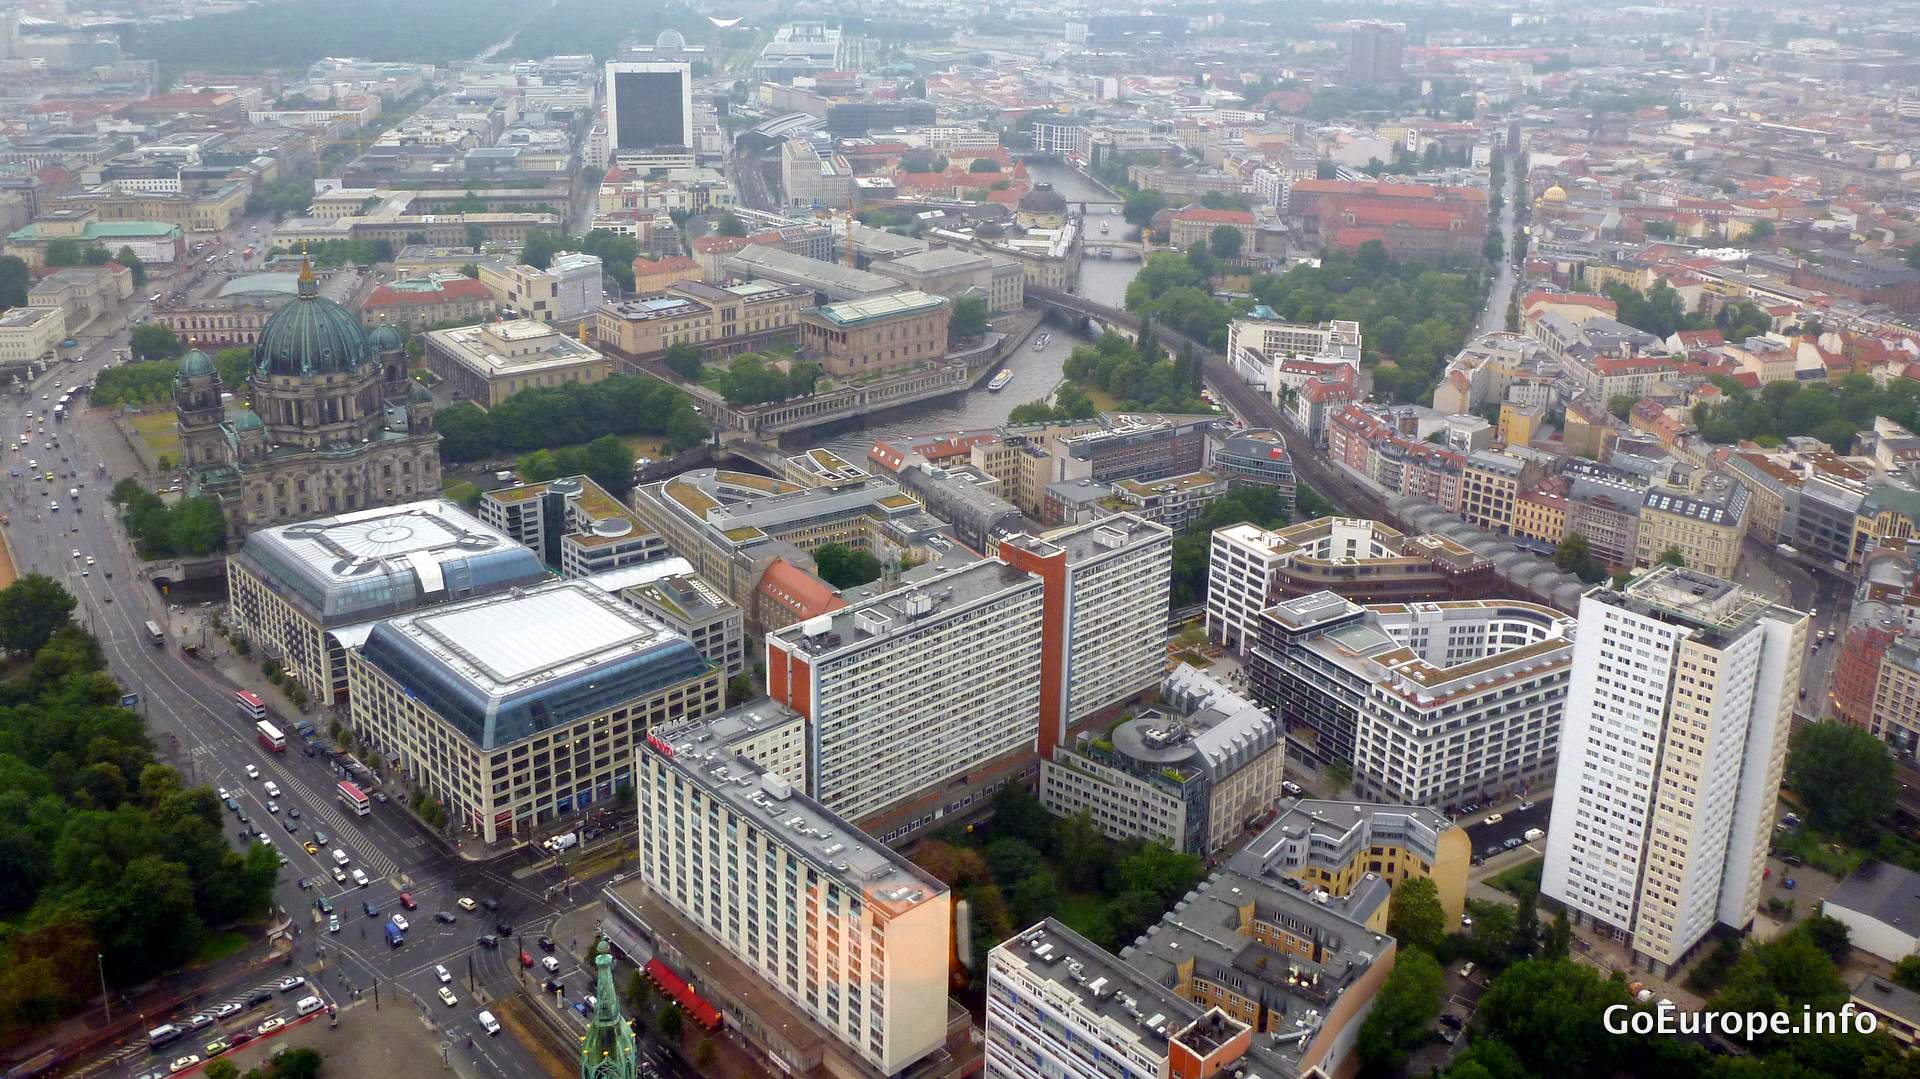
(1510, 880)
(218, 946)
(1080, 910)
(156, 429)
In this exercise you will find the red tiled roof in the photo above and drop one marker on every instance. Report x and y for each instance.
(670, 264)
(1390, 216)
(463, 288)
(1576, 299)
(798, 592)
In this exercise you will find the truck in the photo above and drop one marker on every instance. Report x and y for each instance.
(562, 842)
(395, 937)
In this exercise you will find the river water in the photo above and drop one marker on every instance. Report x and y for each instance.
(1035, 373)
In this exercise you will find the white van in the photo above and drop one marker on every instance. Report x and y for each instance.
(162, 1035)
(309, 1005)
(1532, 834)
(340, 856)
(360, 878)
(273, 789)
(488, 1023)
(73, 493)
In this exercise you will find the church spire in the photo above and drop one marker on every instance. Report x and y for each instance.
(308, 286)
(607, 1050)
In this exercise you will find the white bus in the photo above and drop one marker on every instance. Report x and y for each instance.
(154, 636)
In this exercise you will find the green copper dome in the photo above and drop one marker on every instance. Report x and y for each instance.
(385, 338)
(311, 335)
(248, 420)
(196, 364)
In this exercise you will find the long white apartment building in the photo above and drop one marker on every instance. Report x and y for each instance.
(1676, 734)
(1433, 703)
(847, 932)
(921, 700)
(1260, 342)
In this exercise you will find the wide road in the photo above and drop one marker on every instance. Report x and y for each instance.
(1494, 316)
(193, 716)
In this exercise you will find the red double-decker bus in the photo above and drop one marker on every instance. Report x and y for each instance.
(352, 798)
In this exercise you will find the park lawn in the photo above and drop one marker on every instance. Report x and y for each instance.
(644, 446)
(1080, 910)
(219, 946)
(157, 430)
(1509, 880)
(1101, 399)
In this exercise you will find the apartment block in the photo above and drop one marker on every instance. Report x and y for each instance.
(1489, 486)
(1432, 703)
(1338, 847)
(1259, 343)
(1676, 734)
(565, 292)
(520, 708)
(795, 904)
(699, 612)
(1704, 525)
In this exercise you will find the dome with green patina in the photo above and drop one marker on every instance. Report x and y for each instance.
(419, 393)
(248, 420)
(310, 335)
(385, 338)
(196, 364)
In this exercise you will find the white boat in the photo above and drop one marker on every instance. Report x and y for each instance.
(1000, 381)
(1040, 342)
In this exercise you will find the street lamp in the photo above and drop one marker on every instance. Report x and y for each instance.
(105, 1003)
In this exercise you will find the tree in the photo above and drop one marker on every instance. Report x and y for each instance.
(1526, 926)
(704, 1054)
(731, 225)
(1829, 934)
(152, 341)
(196, 527)
(31, 610)
(1844, 776)
(1906, 973)
(983, 164)
(476, 235)
(670, 1022)
(540, 247)
(1141, 206)
(1495, 248)
(1160, 870)
(1402, 1012)
(685, 360)
(222, 1068)
(1559, 939)
(843, 567)
(1225, 241)
(1784, 974)
(1415, 916)
(1673, 556)
(1621, 405)
(232, 365)
(1550, 1015)
(1019, 814)
(968, 319)
(134, 266)
(14, 281)
(1575, 555)
(1081, 850)
(466, 431)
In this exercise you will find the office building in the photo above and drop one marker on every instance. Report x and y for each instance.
(697, 611)
(788, 908)
(954, 273)
(1257, 457)
(1250, 568)
(574, 524)
(1191, 775)
(1676, 734)
(1134, 446)
(1432, 703)
(829, 281)
(522, 707)
(1489, 485)
(649, 106)
(304, 594)
(720, 320)
(1375, 51)
(1174, 501)
(28, 334)
(568, 290)
(1704, 526)
(491, 361)
(416, 303)
(800, 49)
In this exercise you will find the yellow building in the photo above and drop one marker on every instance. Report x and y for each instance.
(1336, 845)
(1704, 526)
(1519, 423)
(1488, 486)
(1540, 515)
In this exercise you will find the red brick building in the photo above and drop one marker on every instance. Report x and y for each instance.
(1411, 220)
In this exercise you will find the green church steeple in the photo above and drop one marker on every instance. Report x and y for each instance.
(607, 1050)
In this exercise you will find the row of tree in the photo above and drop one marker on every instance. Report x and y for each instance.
(142, 383)
(104, 852)
(1070, 402)
(1140, 375)
(756, 379)
(191, 526)
(606, 459)
(328, 254)
(1662, 311)
(1831, 412)
(574, 413)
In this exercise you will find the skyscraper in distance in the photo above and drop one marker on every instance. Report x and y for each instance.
(649, 105)
(1375, 51)
(1675, 738)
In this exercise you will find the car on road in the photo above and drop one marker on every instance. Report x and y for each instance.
(252, 772)
(552, 964)
(258, 998)
(333, 923)
(1493, 850)
(399, 921)
(440, 972)
(181, 1064)
(240, 1039)
(504, 928)
(1524, 806)
(1494, 818)
(89, 560)
(340, 856)
(525, 959)
(270, 1025)
(487, 940)
(216, 1047)
(228, 1010)
(406, 900)
(231, 804)
(287, 985)
(76, 554)
(359, 877)
(339, 875)
(293, 813)
(272, 789)
(1533, 834)
(466, 903)
(494, 904)
(273, 807)
(321, 838)
(1511, 842)
(444, 917)
(447, 997)
(198, 1021)
(546, 943)
(367, 905)
(311, 847)
(305, 883)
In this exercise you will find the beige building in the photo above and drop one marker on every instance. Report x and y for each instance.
(492, 361)
(1338, 846)
(540, 699)
(953, 273)
(566, 291)
(211, 210)
(29, 333)
(1489, 486)
(877, 335)
(82, 293)
(1704, 526)
(1677, 722)
(723, 320)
